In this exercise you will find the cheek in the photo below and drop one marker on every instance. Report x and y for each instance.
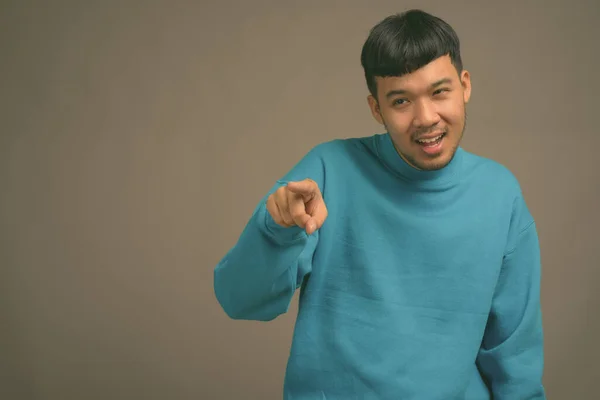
(453, 114)
(402, 130)
(398, 122)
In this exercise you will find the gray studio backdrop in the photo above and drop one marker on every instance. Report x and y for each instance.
(136, 139)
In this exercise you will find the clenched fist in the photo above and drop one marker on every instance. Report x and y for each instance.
(298, 204)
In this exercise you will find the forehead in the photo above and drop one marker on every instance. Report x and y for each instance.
(420, 79)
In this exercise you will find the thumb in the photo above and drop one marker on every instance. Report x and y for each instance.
(318, 215)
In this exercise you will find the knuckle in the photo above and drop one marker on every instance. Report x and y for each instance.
(289, 221)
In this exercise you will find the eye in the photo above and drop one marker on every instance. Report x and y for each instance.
(439, 91)
(399, 102)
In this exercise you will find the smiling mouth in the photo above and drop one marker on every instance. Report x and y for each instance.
(431, 142)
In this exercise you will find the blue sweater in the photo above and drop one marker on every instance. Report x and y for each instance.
(420, 285)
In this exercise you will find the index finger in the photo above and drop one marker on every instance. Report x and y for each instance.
(307, 188)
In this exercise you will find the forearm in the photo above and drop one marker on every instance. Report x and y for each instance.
(512, 353)
(257, 278)
(514, 369)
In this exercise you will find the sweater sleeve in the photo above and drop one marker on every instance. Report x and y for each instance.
(258, 276)
(512, 354)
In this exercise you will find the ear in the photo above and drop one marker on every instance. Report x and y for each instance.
(465, 80)
(375, 110)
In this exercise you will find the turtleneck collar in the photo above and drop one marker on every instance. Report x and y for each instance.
(441, 177)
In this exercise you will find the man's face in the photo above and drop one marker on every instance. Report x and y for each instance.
(417, 108)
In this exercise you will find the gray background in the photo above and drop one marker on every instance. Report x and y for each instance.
(136, 139)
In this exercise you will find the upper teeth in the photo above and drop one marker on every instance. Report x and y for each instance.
(430, 140)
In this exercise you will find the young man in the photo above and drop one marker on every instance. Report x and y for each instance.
(418, 262)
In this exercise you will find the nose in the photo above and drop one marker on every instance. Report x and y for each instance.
(426, 114)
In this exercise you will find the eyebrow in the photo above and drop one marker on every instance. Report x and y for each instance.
(435, 84)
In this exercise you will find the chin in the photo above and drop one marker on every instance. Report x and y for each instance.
(438, 162)
(434, 158)
(430, 165)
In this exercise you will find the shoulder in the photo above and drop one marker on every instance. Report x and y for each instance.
(491, 175)
(341, 148)
(501, 188)
(326, 158)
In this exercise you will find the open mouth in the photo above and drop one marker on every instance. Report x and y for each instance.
(432, 141)
(433, 145)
